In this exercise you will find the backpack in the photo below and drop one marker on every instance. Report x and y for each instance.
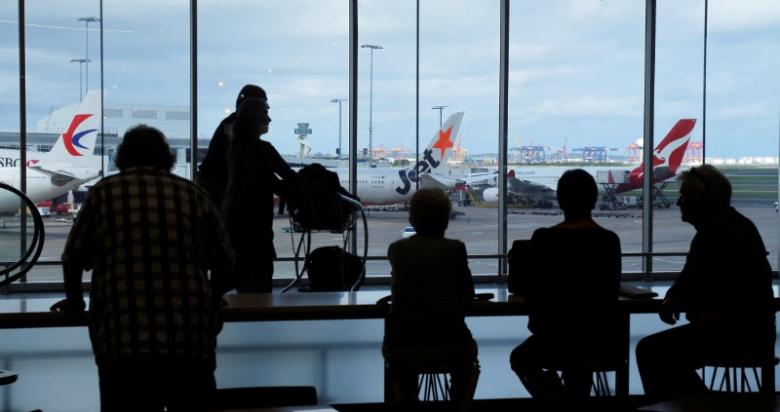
(321, 207)
(331, 268)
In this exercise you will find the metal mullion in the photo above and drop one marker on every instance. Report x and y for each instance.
(647, 153)
(353, 110)
(503, 102)
(193, 88)
(22, 130)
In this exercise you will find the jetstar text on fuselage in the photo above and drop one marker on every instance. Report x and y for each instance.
(411, 175)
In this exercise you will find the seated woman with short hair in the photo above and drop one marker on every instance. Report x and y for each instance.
(573, 285)
(431, 286)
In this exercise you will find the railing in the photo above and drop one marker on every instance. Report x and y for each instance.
(13, 271)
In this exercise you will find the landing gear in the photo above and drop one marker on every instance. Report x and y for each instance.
(610, 200)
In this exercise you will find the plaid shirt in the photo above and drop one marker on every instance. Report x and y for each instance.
(149, 238)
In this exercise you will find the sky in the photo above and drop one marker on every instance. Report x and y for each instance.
(576, 67)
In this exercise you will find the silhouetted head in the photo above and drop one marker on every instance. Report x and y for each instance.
(704, 192)
(249, 91)
(577, 193)
(429, 211)
(252, 118)
(144, 146)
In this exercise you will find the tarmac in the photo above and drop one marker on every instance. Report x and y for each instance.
(477, 226)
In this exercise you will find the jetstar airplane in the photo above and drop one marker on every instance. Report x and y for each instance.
(382, 186)
(69, 164)
(538, 183)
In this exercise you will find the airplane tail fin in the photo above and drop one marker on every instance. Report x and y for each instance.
(75, 147)
(443, 143)
(76, 144)
(670, 152)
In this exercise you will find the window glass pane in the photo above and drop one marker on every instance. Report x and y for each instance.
(576, 101)
(459, 70)
(678, 120)
(386, 120)
(147, 72)
(743, 99)
(63, 60)
(9, 127)
(298, 53)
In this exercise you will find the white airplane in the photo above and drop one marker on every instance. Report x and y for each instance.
(392, 185)
(540, 182)
(70, 163)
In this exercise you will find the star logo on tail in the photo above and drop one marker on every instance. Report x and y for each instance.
(444, 142)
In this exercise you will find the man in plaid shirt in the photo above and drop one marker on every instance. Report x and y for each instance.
(150, 239)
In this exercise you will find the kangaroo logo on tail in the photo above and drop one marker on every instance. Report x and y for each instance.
(435, 156)
(667, 156)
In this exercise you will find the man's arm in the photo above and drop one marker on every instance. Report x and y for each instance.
(74, 296)
(77, 256)
(289, 178)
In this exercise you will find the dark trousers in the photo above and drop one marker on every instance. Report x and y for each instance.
(253, 271)
(668, 360)
(154, 383)
(537, 360)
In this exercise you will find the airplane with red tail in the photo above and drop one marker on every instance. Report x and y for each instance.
(70, 163)
(535, 184)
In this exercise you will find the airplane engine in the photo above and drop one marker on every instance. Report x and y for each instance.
(490, 195)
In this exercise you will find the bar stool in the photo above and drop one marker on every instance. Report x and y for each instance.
(434, 382)
(736, 375)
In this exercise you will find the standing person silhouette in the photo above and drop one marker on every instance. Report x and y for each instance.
(248, 206)
(150, 239)
(213, 171)
(725, 290)
(573, 282)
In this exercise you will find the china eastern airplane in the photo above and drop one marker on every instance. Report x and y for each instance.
(540, 182)
(69, 164)
(393, 185)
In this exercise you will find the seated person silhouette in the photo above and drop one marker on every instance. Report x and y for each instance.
(725, 290)
(573, 282)
(431, 287)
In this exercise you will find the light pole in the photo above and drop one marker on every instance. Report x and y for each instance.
(81, 63)
(86, 21)
(371, 47)
(339, 102)
(439, 108)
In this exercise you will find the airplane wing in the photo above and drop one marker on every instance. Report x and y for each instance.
(64, 170)
(445, 182)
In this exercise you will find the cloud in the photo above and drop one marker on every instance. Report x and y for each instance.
(743, 15)
(744, 111)
(584, 105)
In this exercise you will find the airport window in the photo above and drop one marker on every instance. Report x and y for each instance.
(302, 70)
(61, 70)
(568, 109)
(469, 86)
(9, 115)
(743, 94)
(678, 103)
